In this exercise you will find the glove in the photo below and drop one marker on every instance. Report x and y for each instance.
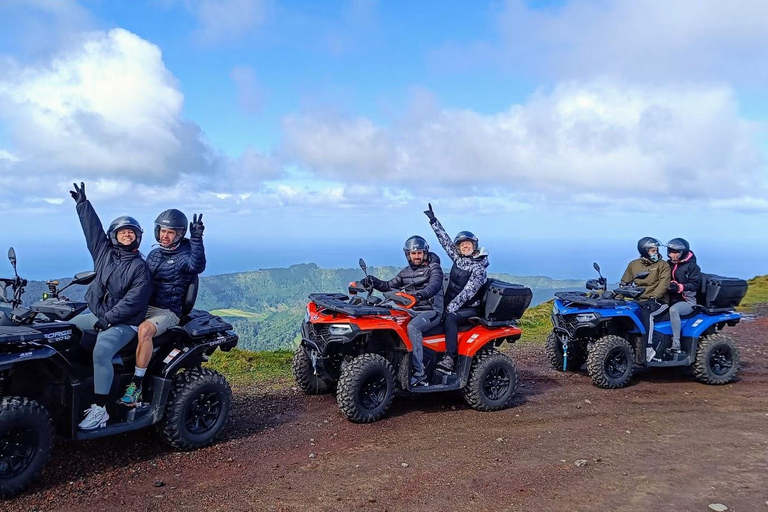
(419, 297)
(101, 325)
(675, 287)
(79, 193)
(196, 227)
(370, 282)
(430, 214)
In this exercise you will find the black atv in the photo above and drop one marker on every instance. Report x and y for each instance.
(46, 379)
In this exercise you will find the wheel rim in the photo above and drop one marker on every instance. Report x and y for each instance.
(497, 383)
(721, 360)
(17, 449)
(616, 363)
(373, 392)
(203, 412)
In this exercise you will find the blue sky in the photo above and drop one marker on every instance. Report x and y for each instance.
(559, 131)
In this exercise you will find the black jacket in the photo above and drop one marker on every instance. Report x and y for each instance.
(688, 274)
(120, 293)
(429, 294)
(172, 270)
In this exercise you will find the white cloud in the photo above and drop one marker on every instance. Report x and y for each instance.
(581, 138)
(643, 39)
(226, 20)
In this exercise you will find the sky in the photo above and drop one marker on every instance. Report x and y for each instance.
(560, 132)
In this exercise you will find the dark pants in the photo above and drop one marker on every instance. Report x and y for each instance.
(416, 329)
(648, 310)
(452, 323)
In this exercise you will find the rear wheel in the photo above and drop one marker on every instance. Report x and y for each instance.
(717, 360)
(304, 374)
(366, 388)
(554, 349)
(197, 409)
(26, 443)
(611, 362)
(492, 381)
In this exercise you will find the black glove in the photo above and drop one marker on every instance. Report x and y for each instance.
(419, 296)
(674, 287)
(101, 325)
(196, 227)
(79, 193)
(430, 214)
(370, 282)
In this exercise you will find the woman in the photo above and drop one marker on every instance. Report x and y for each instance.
(465, 287)
(117, 298)
(685, 283)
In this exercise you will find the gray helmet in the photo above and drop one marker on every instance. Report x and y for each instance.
(680, 245)
(415, 243)
(464, 236)
(646, 243)
(125, 221)
(172, 219)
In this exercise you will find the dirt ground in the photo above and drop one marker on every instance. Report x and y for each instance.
(665, 442)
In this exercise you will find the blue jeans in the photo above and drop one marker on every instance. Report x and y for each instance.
(677, 310)
(416, 329)
(108, 343)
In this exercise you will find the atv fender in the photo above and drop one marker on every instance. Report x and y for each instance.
(7, 361)
(185, 355)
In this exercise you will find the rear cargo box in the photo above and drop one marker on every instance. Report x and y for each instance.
(505, 301)
(721, 292)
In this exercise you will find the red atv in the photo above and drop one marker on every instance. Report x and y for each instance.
(359, 345)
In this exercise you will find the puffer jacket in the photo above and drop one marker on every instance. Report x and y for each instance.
(655, 284)
(688, 274)
(468, 273)
(429, 294)
(172, 270)
(120, 293)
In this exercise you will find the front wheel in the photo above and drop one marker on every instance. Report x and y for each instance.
(554, 349)
(304, 374)
(492, 381)
(366, 388)
(26, 443)
(717, 360)
(611, 362)
(197, 409)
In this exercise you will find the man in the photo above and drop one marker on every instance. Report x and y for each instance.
(117, 297)
(173, 266)
(422, 278)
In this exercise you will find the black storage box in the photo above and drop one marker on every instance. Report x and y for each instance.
(721, 292)
(505, 301)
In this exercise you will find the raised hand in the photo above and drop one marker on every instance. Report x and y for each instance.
(430, 214)
(79, 193)
(196, 227)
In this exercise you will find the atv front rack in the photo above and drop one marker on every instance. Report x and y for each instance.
(587, 300)
(340, 303)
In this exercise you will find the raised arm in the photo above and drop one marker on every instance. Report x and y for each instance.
(95, 237)
(194, 261)
(442, 235)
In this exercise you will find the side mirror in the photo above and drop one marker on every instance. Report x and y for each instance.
(642, 275)
(84, 277)
(12, 256)
(596, 267)
(361, 262)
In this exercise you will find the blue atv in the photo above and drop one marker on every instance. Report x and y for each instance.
(605, 329)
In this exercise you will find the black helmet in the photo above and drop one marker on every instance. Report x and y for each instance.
(680, 245)
(171, 219)
(415, 243)
(125, 221)
(646, 243)
(466, 236)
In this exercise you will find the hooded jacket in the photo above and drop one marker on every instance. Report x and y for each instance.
(172, 270)
(655, 284)
(466, 284)
(688, 274)
(429, 291)
(120, 293)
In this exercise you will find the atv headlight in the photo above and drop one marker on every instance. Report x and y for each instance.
(339, 329)
(585, 317)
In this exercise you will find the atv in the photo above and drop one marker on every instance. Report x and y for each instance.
(605, 329)
(46, 379)
(358, 346)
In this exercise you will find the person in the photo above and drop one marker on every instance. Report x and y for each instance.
(465, 285)
(654, 297)
(173, 266)
(422, 278)
(117, 297)
(685, 283)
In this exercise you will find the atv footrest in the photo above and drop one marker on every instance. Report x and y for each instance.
(434, 388)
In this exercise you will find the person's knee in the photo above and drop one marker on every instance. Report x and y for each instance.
(147, 331)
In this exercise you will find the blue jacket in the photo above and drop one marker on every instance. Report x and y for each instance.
(172, 271)
(121, 290)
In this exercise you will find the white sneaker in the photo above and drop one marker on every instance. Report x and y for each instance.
(95, 417)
